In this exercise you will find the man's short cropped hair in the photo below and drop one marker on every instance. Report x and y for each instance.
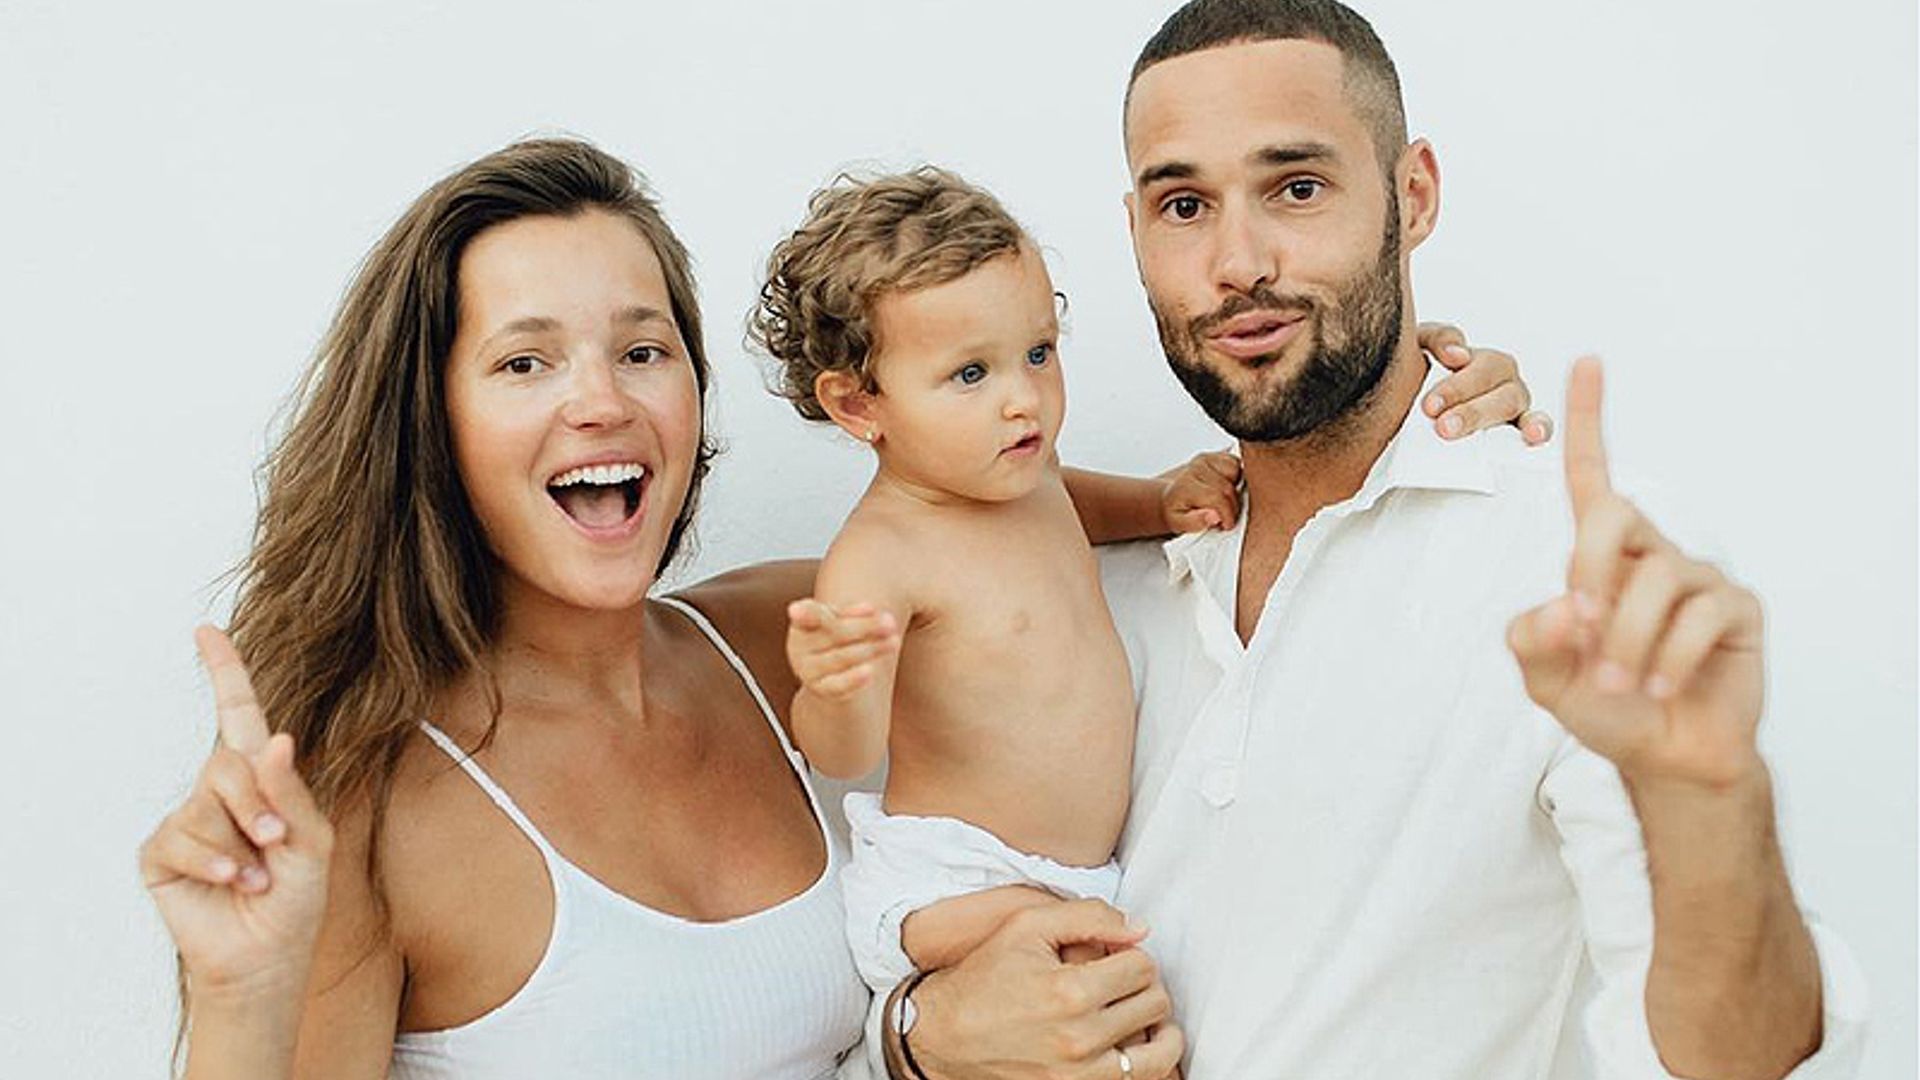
(1369, 77)
(864, 238)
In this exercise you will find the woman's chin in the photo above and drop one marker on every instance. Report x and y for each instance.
(601, 592)
(586, 588)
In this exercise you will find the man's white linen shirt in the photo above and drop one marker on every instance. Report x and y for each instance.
(1361, 850)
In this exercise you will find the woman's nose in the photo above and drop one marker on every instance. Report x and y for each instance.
(595, 399)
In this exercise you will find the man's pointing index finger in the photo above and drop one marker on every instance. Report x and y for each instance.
(1585, 453)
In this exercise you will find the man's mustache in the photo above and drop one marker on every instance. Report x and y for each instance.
(1260, 299)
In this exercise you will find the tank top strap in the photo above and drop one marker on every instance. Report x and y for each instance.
(740, 668)
(494, 791)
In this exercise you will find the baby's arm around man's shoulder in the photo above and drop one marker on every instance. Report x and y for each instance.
(1200, 494)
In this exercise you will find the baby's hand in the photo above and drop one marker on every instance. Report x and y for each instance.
(833, 651)
(1202, 494)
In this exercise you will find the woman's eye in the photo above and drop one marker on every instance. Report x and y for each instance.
(1037, 356)
(645, 354)
(971, 374)
(1184, 207)
(522, 365)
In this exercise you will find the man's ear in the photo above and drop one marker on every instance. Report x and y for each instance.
(849, 404)
(1417, 182)
(1129, 201)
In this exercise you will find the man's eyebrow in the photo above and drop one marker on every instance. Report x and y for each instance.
(1293, 153)
(1172, 170)
(1279, 154)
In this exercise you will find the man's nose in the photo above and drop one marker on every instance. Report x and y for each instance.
(595, 398)
(1246, 258)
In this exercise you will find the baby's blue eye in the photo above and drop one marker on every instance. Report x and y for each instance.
(972, 373)
(1037, 356)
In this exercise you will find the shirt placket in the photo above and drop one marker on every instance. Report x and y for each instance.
(1221, 777)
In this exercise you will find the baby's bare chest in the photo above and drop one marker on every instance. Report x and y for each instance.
(1017, 617)
(1018, 580)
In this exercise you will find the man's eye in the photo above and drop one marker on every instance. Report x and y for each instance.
(1184, 207)
(522, 365)
(1303, 190)
(971, 374)
(1037, 356)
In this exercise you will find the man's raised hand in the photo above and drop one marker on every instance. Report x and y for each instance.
(1650, 658)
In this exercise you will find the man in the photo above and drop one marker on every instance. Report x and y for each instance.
(1367, 843)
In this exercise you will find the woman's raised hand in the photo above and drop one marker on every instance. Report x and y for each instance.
(239, 871)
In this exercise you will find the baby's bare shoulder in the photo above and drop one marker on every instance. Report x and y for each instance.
(873, 559)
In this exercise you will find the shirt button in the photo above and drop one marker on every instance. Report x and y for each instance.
(1217, 786)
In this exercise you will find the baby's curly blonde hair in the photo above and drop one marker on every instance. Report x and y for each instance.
(864, 238)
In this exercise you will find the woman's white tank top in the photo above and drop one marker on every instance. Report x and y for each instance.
(625, 991)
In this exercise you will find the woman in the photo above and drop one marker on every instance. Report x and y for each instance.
(548, 826)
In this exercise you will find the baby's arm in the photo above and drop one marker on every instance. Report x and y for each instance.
(844, 645)
(1201, 494)
(942, 934)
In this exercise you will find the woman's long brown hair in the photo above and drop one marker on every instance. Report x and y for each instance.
(370, 587)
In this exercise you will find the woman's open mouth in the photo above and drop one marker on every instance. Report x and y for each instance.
(600, 498)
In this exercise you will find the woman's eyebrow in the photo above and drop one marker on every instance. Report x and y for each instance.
(526, 324)
(640, 313)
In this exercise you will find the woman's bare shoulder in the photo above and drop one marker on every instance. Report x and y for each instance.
(748, 606)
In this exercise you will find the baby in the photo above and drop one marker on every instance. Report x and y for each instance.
(958, 625)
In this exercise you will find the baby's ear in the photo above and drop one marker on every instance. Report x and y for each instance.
(848, 403)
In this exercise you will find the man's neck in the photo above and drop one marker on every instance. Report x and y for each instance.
(1288, 482)
(1292, 480)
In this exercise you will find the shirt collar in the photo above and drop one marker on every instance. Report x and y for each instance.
(1416, 458)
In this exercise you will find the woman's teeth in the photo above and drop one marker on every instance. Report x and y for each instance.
(600, 474)
(599, 496)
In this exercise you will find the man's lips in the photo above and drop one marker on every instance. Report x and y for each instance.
(1254, 334)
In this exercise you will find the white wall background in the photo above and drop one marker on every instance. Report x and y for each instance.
(1720, 198)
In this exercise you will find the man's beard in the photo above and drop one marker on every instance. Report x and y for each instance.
(1354, 338)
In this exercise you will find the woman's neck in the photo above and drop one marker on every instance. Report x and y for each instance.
(553, 657)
